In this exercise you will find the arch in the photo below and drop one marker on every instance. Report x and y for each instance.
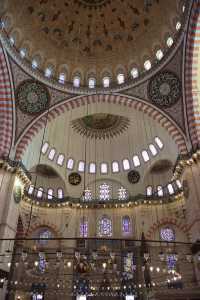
(192, 69)
(155, 113)
(166, 221)
(6, 107)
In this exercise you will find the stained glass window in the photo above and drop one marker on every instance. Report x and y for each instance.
(44, 234)
(83, 227)
(104, 192)
(122, 193)
(126, 225)
(105, 226)
(87, 195)
(167, 234)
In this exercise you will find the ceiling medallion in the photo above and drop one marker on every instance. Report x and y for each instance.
(164, 89)
(133, 176)
(101, 126)
(93, 3)
(32, 97)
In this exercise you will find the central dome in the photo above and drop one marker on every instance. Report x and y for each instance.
(92, 38)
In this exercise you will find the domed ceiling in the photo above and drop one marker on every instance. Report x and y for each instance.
(93, 37)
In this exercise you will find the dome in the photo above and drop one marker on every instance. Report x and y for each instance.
(88, 38)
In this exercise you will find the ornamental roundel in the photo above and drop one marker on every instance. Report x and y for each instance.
(133, 176)
(32, 97)
(74, 178)
(164, 89)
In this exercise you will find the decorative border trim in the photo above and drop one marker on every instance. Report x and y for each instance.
(191, 75)
(69, 104)
(6, 107)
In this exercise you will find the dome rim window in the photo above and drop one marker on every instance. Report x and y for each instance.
(147, 65)
(91, 83)
(76, 81)
(118, 167)
(121, 78)
(52, 154)
(106, 85)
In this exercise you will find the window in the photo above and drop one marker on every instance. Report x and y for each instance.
(104, 192)
(106, 82)
(70, 164)
(60, 193)
(159, 54)
(147, 65)
(60, 159)
(92, 168)
(87, 195)
(30, 189)
(170, 41)
(91, 83)
(122, 193)
(34, 64)
(136, 161)
(145, 155)
(81, 166)
(45, 148)
(76, 81)
(178, 26)
(149, 190)
(178, 183)
(50, 194)
(115, 167)
(52, 154)
(62, 78)
(126, 164)
(48, 72)
(40, 192)
(153, 150)
(44, 234)
(130, 297)
(104, 168)
(160, 190)
(84, 227)
(81, 297)
(105, 227)
(170, 189)
(167, 234)
(126, 225)
(120, 78)
(22, 52)
(159, 142)
(134, 73)
(12, 40)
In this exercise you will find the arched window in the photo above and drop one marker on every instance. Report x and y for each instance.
(45, 148)
(126, 164)
(76, 81)
(145, 155)
(40, 192)
(170, 189)
(92, 168)
(44, 234)
(126, 225)
(159, 142)
(104, 168)
(120, 78)
(136, 161)
(134, 73)
(149, 190)
(60, 193)
(170, 41)
(167, 234)
(160, 190)
(159, 54)
(81, 166)
(91, 83)
(104, 192)
(30, 189)
(34, 64)
(62, 77)
(48, 72)
(52, 154)
(179, 184)
(106, 82)
(60, 159)
(70, 164)
(50, 194)
(22, 52)
(83, 227)
(115, 167)
(147, 65)
(104, 226)
(12, 40)
(122, 194)
(153, 150)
